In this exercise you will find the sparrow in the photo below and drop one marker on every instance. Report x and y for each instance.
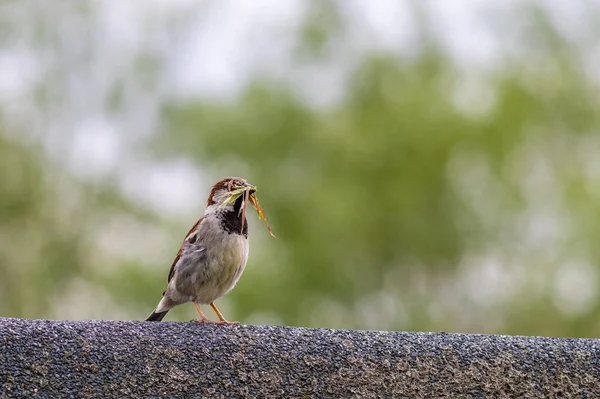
(214, 253)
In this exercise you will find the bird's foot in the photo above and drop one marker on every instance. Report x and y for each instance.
(204, 321)
(218, 322)
(227, 323)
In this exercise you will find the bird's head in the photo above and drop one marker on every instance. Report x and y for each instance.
(231, 195)
(228, 189)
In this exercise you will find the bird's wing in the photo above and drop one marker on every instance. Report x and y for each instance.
(190, 238)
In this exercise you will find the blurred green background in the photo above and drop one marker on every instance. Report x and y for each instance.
(431, 167)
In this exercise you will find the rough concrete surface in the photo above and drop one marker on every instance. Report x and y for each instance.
(119, 359)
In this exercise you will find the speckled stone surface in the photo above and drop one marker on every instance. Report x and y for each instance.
(118, 359)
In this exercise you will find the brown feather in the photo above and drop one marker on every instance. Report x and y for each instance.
(218, 186)
(190, 238)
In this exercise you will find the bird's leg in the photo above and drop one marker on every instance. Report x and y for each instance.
(203, 318)
(221, 318)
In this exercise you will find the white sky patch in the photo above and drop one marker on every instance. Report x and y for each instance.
(575, 288)
(388, 25)
(174, 188)
(95, 149)
(220, 50)
(463, 27)
(18, 72)
(487, 280)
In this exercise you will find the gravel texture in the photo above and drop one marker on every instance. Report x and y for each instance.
(118, 359)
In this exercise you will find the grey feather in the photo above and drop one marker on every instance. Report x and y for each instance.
(208, 268)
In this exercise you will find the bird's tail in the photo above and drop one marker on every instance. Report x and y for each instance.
(156, 316)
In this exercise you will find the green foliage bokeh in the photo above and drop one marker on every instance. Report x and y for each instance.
(395, 207)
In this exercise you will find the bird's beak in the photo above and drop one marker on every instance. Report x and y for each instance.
(250, 187)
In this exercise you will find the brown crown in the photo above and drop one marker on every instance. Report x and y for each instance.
(221, 184)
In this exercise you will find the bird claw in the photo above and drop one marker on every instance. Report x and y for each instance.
(219, 322)
(227, 323)
(203, 321)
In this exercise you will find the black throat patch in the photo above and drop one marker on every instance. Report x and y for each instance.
(231, 220)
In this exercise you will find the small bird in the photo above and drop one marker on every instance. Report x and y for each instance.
(214, 253)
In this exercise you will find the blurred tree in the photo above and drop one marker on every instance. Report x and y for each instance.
(39, 252)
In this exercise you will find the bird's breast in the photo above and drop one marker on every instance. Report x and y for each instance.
(229, 255)
(226, 257)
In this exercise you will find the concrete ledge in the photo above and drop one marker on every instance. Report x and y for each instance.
(117, 359)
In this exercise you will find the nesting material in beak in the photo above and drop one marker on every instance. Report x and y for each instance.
(249, 193)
